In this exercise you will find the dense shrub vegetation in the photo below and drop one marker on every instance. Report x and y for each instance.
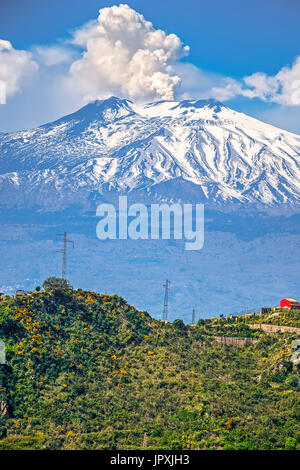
(89, 371)
(282, 317)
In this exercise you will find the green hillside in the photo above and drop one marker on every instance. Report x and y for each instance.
(89, 371)
(283, 317)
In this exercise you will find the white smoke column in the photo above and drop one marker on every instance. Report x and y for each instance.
(126, 56)
(14, 66)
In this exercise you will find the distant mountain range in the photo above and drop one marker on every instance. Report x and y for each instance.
(199, 149)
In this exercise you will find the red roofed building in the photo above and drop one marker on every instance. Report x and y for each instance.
(290, 303)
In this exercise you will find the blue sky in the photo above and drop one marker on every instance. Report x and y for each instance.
(227, 39)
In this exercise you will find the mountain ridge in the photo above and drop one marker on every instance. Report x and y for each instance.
(115, 145)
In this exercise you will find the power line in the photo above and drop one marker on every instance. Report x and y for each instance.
(166, 300)
(63, 251)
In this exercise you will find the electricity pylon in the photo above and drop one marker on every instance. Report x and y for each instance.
(64, 254)
(193, 317)
(166, 299)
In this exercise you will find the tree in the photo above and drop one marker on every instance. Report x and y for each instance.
(178, 323)
(56, 283)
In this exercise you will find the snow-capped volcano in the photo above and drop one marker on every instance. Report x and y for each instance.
(116, 145)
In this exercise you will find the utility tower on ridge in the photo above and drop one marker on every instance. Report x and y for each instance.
(63, 251)
(193, 317)
(166, 300)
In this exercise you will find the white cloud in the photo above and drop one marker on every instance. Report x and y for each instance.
(228, 89)
(15, 65)
(84, 33)
(282, 88)
(289, 80)
(121, 53)
(53, 55)
(125, 55)
(195, 83)
(2, 92)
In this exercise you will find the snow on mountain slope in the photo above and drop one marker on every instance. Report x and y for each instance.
(116, 145)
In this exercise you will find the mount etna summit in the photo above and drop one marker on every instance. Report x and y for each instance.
(193, 148)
